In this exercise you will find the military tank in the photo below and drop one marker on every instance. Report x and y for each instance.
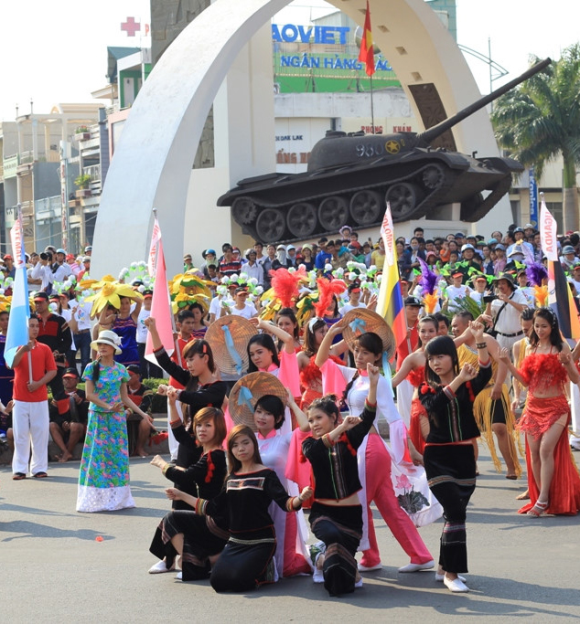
(350, 178)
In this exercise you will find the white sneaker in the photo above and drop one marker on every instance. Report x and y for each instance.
(316, 550)
(416, 567)
(439, 577)
(179, 576)
(456, 586)
(358, 583)
(363, 568)
(160, 567)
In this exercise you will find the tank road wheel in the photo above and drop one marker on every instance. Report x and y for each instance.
(432, 177)
(301, 219)
(333, 213)
(244, 210)
(403, 199)
(270, 226)
(366, 207)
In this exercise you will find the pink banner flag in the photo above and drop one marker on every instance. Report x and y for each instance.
(160, 303)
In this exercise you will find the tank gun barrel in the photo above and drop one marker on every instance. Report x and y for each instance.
(432, 133)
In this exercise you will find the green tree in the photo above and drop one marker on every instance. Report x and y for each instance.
(540, 119)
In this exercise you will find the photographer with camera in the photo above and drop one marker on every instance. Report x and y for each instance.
(54, 333)
(60, 269)
(42, 271)
(505, 310)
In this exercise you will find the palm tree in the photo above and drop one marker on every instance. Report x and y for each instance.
(540, 119)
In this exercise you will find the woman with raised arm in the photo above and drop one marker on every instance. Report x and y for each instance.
(374, 458)
(553, 480)
(202, 386)
(336, 514)
(310, 375)
(124, 323)
(413, 370)
(449, 455)
(263, 356)
(287, 321)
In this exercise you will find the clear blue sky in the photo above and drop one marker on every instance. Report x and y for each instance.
(56, 51)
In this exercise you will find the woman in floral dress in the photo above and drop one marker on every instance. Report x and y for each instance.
(104, 476)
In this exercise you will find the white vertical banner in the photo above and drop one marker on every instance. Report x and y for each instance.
(154, 249)
(548, 233)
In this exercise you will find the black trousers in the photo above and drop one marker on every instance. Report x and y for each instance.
(451, 474)
(340, 528)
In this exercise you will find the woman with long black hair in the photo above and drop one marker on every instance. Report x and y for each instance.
(202, 389)
(104, 473)
(286, 320)
(247, 560)
(202, 386)
(202, 540)
(449, 455)
(375, 461)
(336, 514)
(553, 480)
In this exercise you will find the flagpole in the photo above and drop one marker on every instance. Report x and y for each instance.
(372, 106)
(30, 367)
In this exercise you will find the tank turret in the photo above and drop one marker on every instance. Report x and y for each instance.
(350, 177)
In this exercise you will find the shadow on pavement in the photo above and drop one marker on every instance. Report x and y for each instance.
(35, 529)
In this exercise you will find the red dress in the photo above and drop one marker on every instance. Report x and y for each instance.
(542, 371)
(311, 380)
(416, 377)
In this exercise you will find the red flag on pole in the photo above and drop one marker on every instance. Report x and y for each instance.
(160, 303)
(366, 55)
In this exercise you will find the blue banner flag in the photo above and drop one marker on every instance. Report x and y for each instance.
(17, 334)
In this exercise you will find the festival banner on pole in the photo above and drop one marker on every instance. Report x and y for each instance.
(560, 297)
(17, 333)
(390, 303)
(160, 303)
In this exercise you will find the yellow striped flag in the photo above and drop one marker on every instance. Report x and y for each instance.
(390, 304)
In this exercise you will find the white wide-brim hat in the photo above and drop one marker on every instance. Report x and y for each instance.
(109, 338)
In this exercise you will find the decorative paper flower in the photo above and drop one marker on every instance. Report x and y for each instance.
(110, 293)
(192, 284)
(184, 300)
(5, 303)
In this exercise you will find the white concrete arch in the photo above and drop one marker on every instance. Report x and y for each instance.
(152, 164)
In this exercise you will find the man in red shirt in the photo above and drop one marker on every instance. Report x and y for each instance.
(408, 346)
(34, 367)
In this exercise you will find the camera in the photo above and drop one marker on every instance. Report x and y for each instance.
(489, 298)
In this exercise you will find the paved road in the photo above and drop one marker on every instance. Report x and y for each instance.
(55, 570)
